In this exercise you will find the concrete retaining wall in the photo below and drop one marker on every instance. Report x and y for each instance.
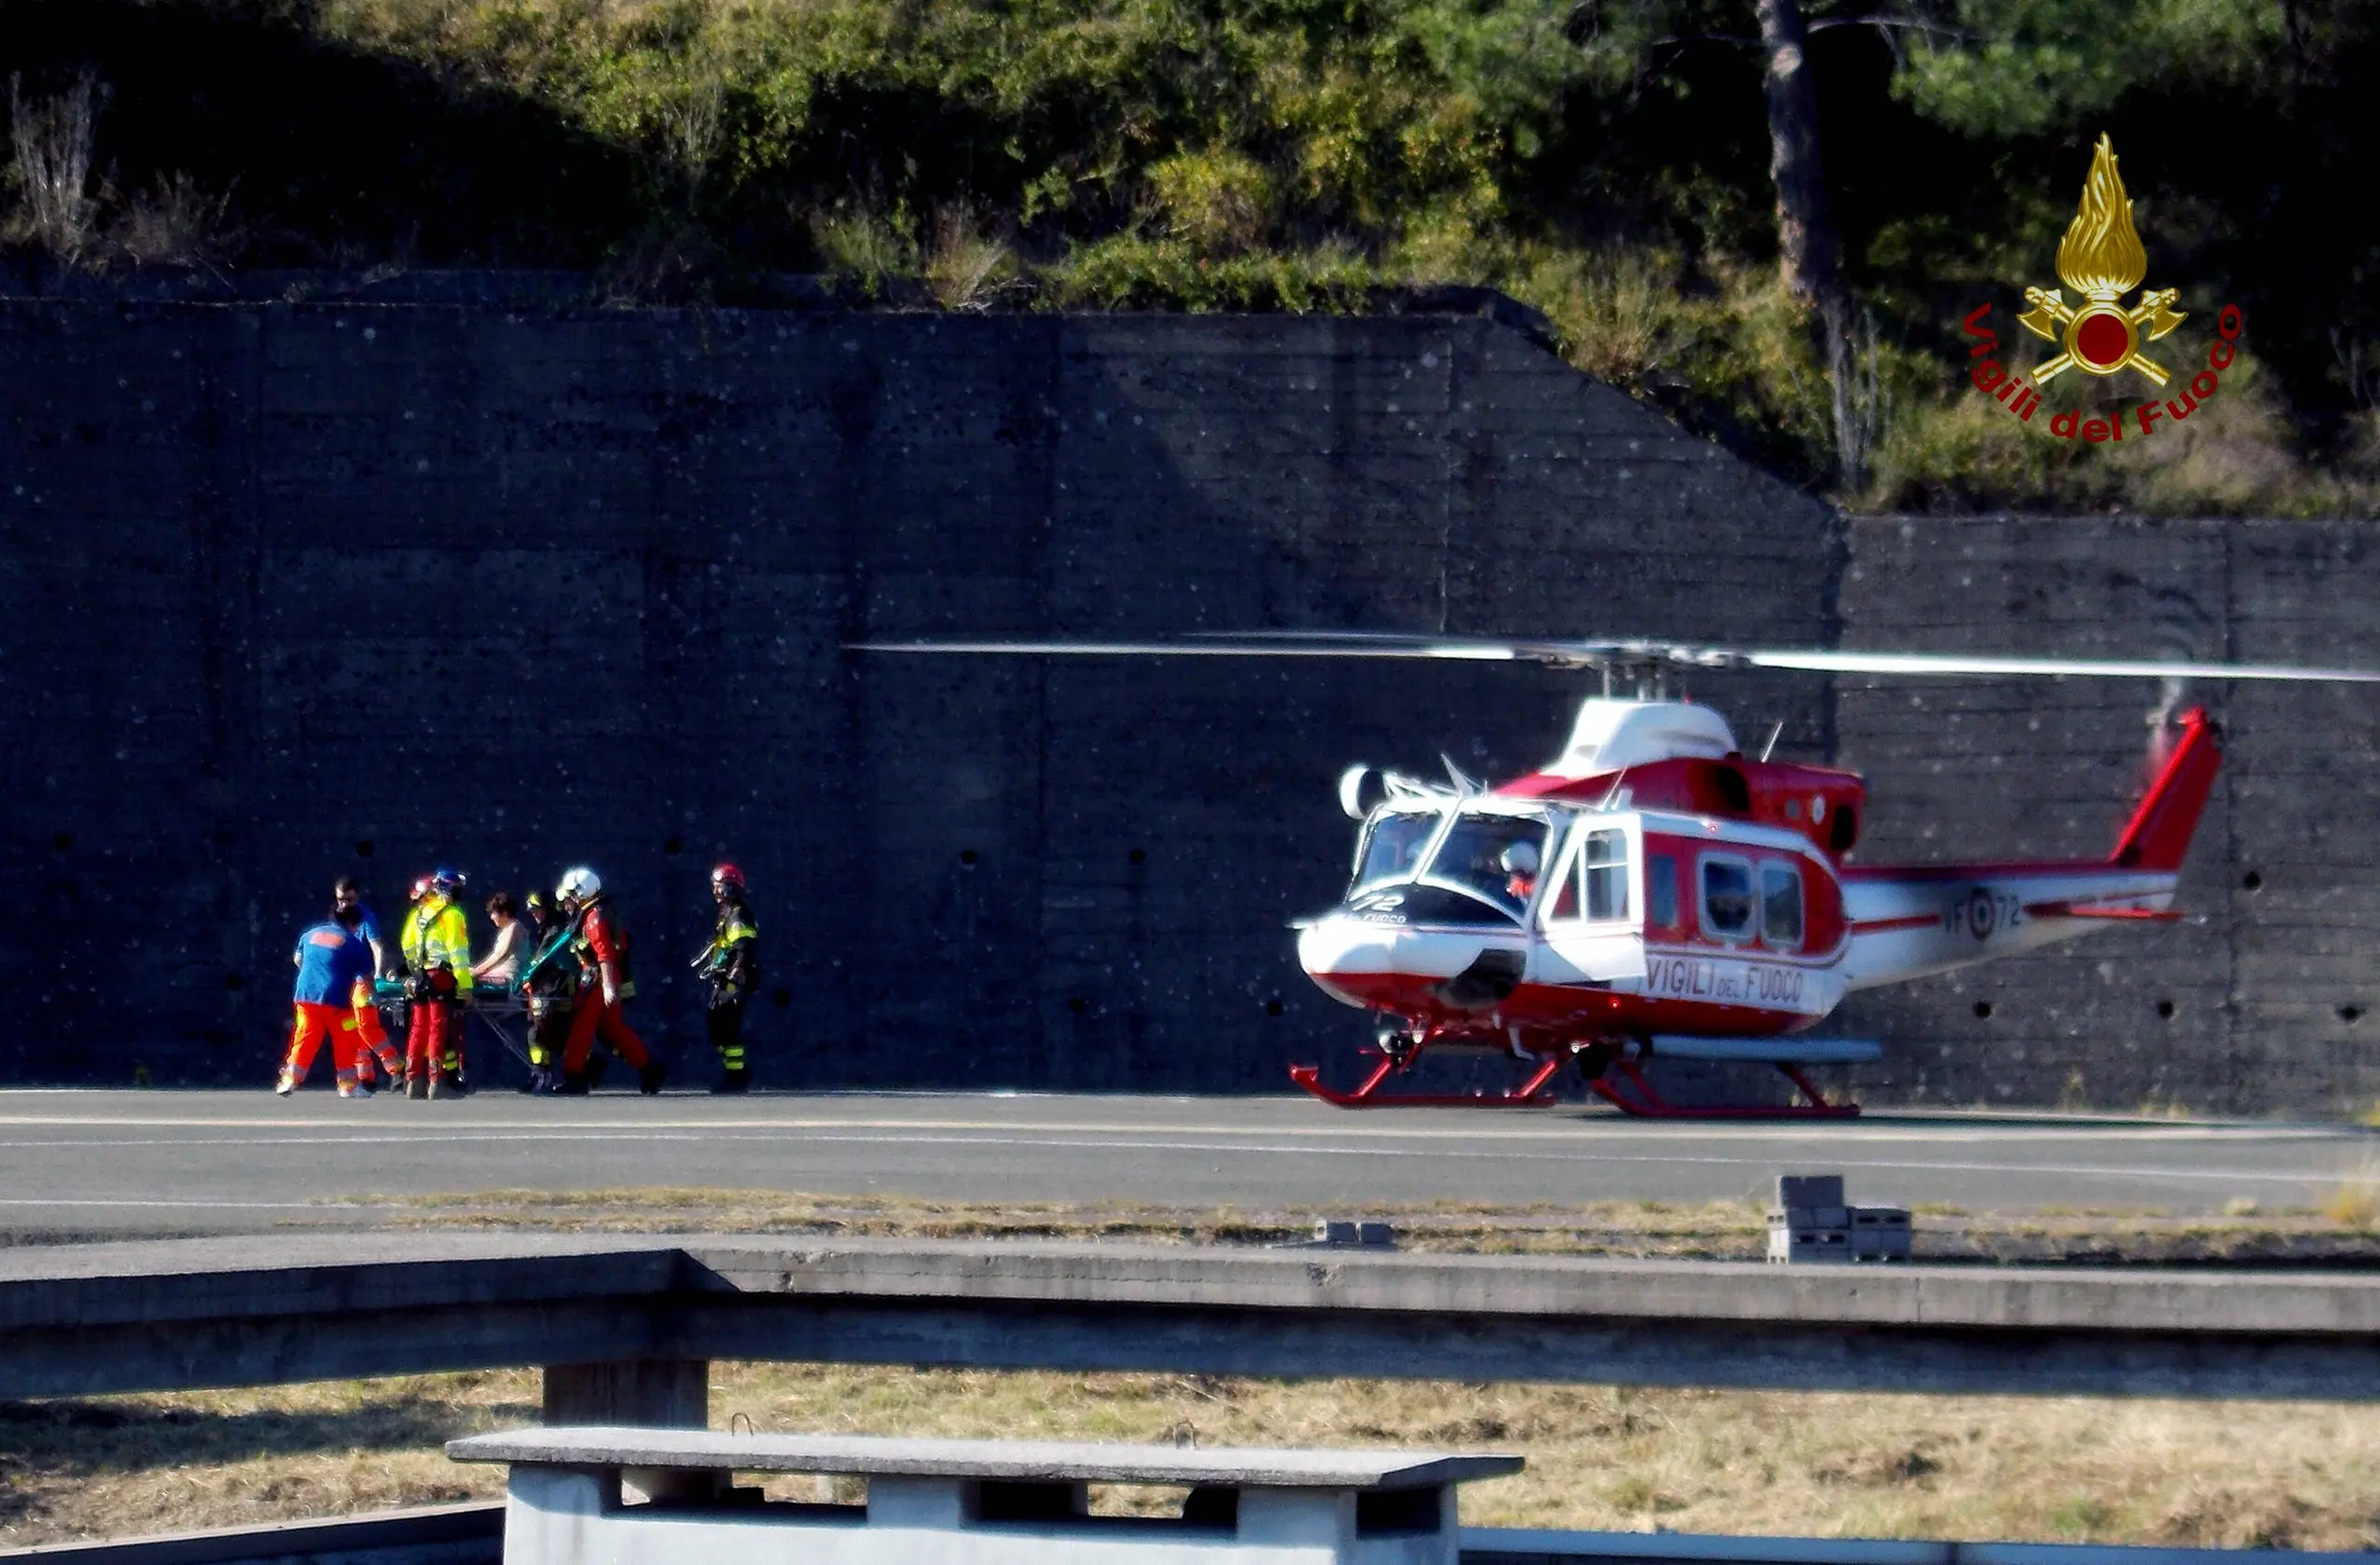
(474, 1535)
(293, 590)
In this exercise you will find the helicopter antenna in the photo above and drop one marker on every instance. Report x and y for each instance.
(1612, 795)
(1769, 749)
(1464, 786)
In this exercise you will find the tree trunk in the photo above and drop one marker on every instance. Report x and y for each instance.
(1809, 250)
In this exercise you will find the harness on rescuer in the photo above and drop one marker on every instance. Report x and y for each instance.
(730, 966)
(549, 983)
(437, 961)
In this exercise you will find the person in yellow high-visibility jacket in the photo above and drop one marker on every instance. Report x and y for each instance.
(437, 945)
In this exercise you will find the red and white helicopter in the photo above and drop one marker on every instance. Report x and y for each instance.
(1655, 892)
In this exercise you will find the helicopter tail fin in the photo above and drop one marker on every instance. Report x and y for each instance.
(2159, 833)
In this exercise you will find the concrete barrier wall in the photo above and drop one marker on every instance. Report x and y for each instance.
(474, 1535)
(295, 590)
(300, 590)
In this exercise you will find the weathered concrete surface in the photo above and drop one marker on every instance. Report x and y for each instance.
(290, 591)
(425, 1535)
(473, 1535)
(1053, 1461)
(128, 1316)
(652, 1393)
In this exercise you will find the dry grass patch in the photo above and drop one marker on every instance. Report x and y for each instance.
(2341, 1232)
(116, 1467)
(2203, 1474)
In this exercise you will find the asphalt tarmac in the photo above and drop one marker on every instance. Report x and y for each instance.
(100, 1163)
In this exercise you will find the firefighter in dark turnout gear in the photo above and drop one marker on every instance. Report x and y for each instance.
(549, 986)
(730, 965)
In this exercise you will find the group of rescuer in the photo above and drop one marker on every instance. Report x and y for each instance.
(566, 957)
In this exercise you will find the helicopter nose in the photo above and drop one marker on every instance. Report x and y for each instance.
(1373, 963)
(1337, 951)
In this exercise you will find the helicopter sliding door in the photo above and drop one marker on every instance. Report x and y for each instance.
(1590, 930)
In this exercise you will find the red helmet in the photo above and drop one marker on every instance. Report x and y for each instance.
(727, 875)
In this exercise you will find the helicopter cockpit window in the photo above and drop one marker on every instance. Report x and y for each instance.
(1727, 905)
(1780, 905)
(1393, 849)
(1478, 857)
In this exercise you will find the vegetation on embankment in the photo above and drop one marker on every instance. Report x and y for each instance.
(1606, 161)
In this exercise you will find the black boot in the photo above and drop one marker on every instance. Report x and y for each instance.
(732, 1083)
(575, 1084)
(649, 1077)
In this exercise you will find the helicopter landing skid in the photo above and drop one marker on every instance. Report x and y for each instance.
(1638, 1099)
(1531, 1094)
(1641, 1100)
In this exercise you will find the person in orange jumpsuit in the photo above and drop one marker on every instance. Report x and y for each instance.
(371, 1041)
(331, 959)
(601, 941)
(372, 1037)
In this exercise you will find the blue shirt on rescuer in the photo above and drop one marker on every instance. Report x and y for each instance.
(330, 959)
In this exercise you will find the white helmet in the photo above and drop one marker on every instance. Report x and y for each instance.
(578, 884)
(1519, 859)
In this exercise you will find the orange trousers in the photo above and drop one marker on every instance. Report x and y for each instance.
(370, 1040)
(592, 1016)
(314, 1023)
(433, 1037)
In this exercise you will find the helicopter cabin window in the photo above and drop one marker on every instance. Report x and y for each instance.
(1660, 891)
(1727, 905)
(1392, 847)
(1492, 858)
(1605, 867)
(1596, 887)
(1780, 905)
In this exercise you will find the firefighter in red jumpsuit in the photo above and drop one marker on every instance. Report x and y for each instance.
(601, 941)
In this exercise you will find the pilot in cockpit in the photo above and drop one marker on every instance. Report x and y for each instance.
(1519, 865)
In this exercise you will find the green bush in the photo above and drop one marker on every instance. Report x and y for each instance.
(1606, 163)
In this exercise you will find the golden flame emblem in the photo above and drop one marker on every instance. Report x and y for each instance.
(2101, 258)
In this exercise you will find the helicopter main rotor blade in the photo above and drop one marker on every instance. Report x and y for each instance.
(2051, 668)
(1237, 646)
(1620, 656)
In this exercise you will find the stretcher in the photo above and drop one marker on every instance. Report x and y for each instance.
(498, 1007)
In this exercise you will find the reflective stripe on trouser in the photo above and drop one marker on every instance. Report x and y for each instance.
(434, 1036)
(725, 1025)
(590, 1016)
(312, 1025)
(548, 1032)
(373, 1039)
